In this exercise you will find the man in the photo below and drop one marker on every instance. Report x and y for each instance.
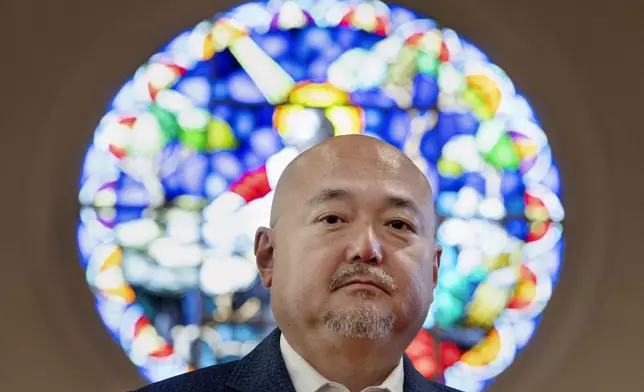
(351, 265)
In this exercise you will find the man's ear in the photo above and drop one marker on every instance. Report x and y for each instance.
(264, 255)
(437, 262)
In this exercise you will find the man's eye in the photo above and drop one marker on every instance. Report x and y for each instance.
(331, 219)
(400, 225)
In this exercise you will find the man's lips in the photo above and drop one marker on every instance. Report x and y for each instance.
(366, 281)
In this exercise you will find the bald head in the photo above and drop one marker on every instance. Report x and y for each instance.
(354, 157)
(352, 206)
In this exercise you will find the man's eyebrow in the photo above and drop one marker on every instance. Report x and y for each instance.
(404, 203)
(329, 194)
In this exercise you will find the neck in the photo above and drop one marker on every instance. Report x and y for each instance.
(354, 363)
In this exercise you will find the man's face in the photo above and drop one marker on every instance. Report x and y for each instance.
(353, 251)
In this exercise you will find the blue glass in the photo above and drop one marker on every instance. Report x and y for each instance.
(220, 90)
(517, 228)
(398, 129)
(131, 192)
(226, 164)
(311, 42)
(192, 172)
(450, 183)
(223, 65)
(263, 116)
(124, 214)
(265, 142)
(446, 127)
(242, 88)
(274, 43)
(425, 91)
(465, 123)
(372, 98)
(297, 70)
(445, 202)
(243, 122)
(512, 183)
(202, 69)
(192, 307)
(515, 206)
(318, 70)
(251, 160)
(476, 181)
(431, 146)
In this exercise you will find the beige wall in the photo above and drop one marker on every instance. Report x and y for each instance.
(581, 66)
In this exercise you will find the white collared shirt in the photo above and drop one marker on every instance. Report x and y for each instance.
(306, 379)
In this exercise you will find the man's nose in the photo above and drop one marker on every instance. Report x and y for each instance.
(365, 246)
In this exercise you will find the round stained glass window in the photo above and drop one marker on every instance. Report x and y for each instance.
(182, 166)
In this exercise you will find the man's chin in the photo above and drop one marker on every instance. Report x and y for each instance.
(361, 322)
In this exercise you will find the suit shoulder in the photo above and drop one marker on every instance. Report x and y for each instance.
(443, 388)
(209, 379)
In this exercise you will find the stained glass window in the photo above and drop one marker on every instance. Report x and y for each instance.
(182, 166)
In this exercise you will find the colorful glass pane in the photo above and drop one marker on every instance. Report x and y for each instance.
(182, 167)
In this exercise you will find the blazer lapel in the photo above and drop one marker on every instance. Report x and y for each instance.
(263, 369)
(414, 381)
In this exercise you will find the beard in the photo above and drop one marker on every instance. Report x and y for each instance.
(361, 322)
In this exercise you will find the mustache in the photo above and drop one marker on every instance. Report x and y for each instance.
(345, 274)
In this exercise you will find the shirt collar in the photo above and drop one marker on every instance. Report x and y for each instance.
(306, 379)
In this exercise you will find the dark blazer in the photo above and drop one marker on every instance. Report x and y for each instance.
(263, 370)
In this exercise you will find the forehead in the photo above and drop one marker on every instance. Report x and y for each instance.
(373, 177)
